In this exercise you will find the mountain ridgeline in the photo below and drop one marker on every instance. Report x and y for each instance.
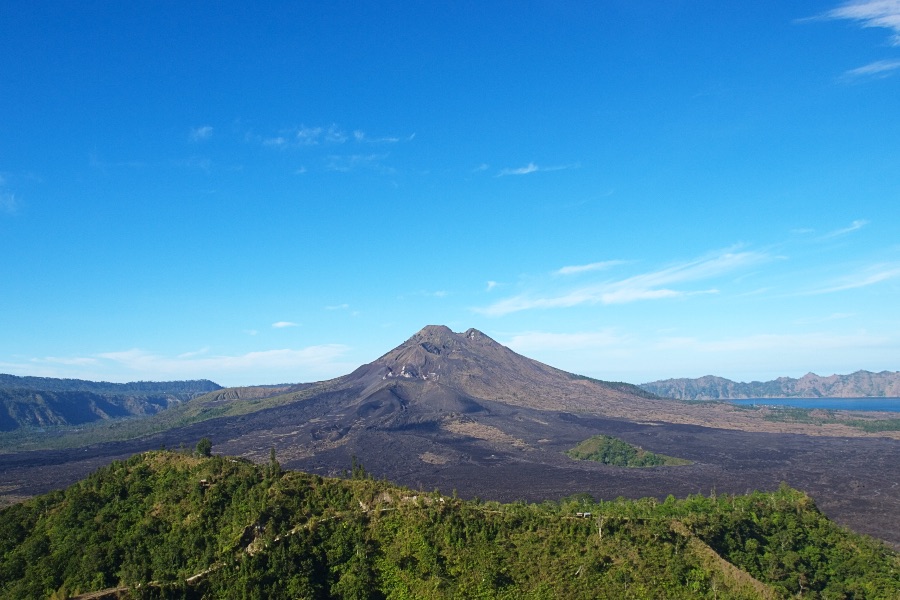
(44, 401)
(172, 525)
(855, 385)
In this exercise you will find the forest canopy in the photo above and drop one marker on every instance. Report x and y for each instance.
(177, 525)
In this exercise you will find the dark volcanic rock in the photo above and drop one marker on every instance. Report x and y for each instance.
(460, 411)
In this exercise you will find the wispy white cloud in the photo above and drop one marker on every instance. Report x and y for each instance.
(533, 168)
(335, 135)
(531, 341)
(810, 342)
(866, 277)
(490, 286)
(361, 137)
(654, 285)
(198, 134)
(8, 203)
(826, 319)
(283, 324)
(871, 13)
(343, 306)
(854, 226)
(153, 366)
(303, 136)
(596, 266)
(267, 366)
(529, 168)
(879, 68)
(332, 135)
(347, 163)
(308, 136)
(76, 361)
(193, 353)
(276, 142)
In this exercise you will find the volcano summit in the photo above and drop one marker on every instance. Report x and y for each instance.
(461, 411)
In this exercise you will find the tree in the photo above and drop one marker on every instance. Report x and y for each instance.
(274, 466)
(204, 447)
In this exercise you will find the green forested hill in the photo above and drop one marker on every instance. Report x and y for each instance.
(169, 525)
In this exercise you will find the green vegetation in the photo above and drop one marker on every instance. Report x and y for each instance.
(171, 525)
(185, 389)
(876, 425)
(613, 451)
(819, 416)
(218, 403)
(204, 447)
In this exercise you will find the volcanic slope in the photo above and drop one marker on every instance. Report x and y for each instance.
(460, 411)
(444, 389)
(439, 370)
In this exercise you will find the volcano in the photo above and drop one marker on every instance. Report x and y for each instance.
(438, 372)
(459, 411)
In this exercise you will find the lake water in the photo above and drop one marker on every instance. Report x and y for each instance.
(888, 404)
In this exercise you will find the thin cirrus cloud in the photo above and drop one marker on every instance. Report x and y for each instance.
(854, 226)
(312, 359)
(869, 276)
(333, 135)
(352, 162)
(198, 134)
(8, 204)
(883, 14)
(307, 136)
(533, 168)
(879, 68)
(284, 324)
(596, 266)
(531, 341)
(654, 285)
(871, 13)
(137, 364)
(809, 342)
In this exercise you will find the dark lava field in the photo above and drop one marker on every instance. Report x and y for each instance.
(853, 480)
(460, 412)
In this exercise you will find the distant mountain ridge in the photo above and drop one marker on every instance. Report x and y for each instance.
(861, 384)
(53, 384)
(46, 401)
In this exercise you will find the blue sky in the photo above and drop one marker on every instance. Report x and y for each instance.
(279, 193)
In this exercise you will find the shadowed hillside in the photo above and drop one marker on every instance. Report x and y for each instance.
(44, 401)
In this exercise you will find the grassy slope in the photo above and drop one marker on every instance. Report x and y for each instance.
(188, 527)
